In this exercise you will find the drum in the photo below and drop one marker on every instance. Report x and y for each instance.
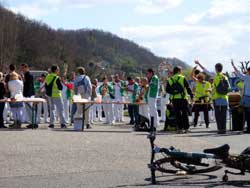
(234, 99)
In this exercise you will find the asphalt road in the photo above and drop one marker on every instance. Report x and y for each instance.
(104, 156)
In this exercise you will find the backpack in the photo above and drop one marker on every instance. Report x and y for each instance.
(48, 87)
(223, 86)
(81, 86)
(176, 87)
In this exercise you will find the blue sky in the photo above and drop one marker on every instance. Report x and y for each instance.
(208, 30)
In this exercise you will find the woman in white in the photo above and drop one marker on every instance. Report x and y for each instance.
(15, 87)
(106, 90)
(44, 105)
(95, 109)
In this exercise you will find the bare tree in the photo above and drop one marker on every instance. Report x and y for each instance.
(244, 65)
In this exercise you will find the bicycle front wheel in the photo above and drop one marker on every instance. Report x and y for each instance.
(195, 169)
(165, 165)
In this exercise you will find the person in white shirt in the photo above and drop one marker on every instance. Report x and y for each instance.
(118, 86)
(106, 91)
(44, 105)
(95, 109)
(15, 87)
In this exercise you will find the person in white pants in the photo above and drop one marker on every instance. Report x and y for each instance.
(152, 95)
(44, 105)
(118, 86)
(98, 107)
(92, 109)
(164, 101)
(106, 91)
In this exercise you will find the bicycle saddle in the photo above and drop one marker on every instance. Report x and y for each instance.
(221, 152)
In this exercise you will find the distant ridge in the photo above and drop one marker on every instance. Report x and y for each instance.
(28, 41)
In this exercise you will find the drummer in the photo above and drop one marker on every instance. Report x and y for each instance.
(202, 98)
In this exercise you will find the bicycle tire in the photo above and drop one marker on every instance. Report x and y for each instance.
(183, 166)
(158, 166)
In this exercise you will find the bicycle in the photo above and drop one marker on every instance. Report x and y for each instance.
(177, 162)
(180, 162)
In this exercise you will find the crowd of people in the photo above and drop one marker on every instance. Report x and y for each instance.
(209, 92)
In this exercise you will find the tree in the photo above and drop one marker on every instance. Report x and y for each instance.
(244, 66)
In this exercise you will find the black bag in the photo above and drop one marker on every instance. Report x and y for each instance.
(48, 87)
(223, 86)
(176, 87)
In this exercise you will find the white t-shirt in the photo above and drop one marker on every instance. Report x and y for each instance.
(117, 87)
(15, 88)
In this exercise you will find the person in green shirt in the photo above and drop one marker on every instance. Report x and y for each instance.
(55, 100)
(153, 92)
(106, 91)
(220, 100)
(178, 88)
(133, 109)
(202, 91)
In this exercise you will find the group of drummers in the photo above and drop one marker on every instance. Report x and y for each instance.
(213, 93)
(210, 91)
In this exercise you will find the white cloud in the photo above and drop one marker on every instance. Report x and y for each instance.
(210, 44)
(156, 6)
(44, 7)
(227, 7)
(221, 8)
(83, 3)
(195, 18)
(40, 8)
(30, 10)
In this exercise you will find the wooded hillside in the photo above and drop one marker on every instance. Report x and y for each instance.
(28, 41)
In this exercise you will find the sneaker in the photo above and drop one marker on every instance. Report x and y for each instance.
(180, 131)
(51, 126)
(88, 126)
(30, 126)
(63, 126)
(221, 132)
(12, 125)
(186, 131)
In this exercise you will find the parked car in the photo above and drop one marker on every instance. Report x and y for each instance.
(37, 73)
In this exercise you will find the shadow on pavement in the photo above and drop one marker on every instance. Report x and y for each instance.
(89, 131)
(206, 182)
(212, 134)
(13, 130)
